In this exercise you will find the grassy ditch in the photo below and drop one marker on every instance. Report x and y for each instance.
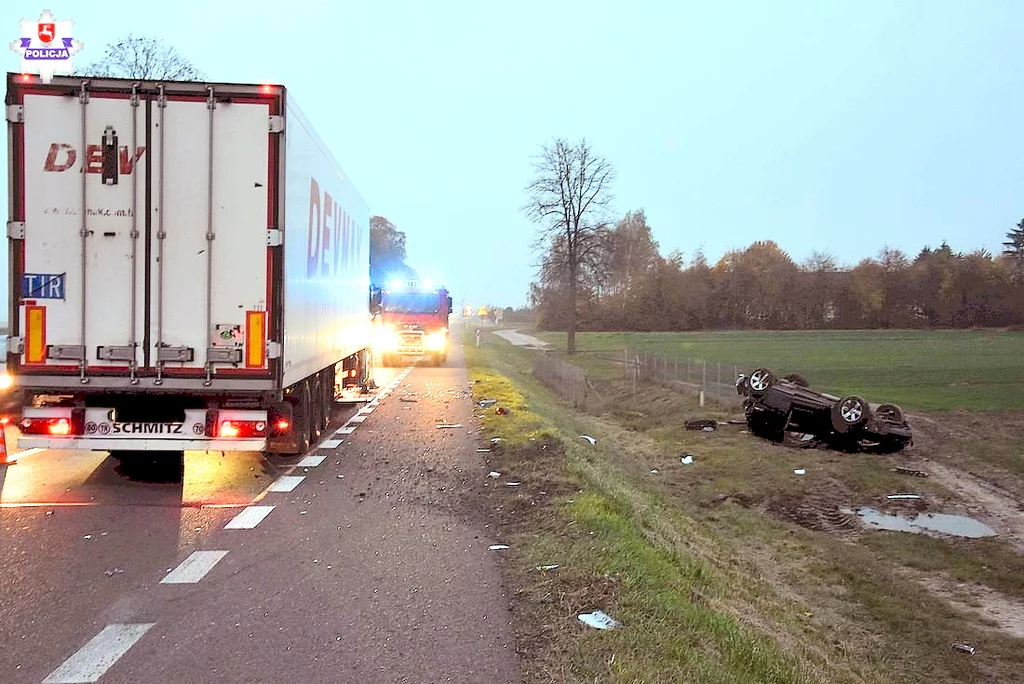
(731, 569)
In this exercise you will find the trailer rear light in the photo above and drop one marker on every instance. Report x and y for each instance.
(267, 89)
(231, 429)
(61, 426)
(55, 426)
(255, 339)
(5, 421)
(26, 78)
(282, 426)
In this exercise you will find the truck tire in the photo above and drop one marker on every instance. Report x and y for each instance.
(302, 418)
(327, 387)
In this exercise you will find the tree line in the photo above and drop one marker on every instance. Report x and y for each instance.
(596, 274)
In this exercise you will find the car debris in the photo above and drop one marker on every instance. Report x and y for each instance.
(494, 474)
(484, 403)
(115, 571)
(497, 547)
(800, 471)
(705, 425)
(407, 400)
(513, 484)
(654, 471)
(686, 459)
(483, 451)
(599, 620)
(964, 648)
(589, 439)
(895, 497)
(545, 568)
(447, 427)
(502, 411)
(775, 406)
(909, 471)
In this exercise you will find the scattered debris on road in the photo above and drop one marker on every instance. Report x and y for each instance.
(449, 427)
(545, 568)
(599, 620)
(654, 471)
(513, 484)
(964, 648)
(498, 547)
(800, 471)
(909, 471)
(703, 424)
(407, 400)
(686, 459)
(896, 497)
(494, 474)
(484, 403)
(589, 439)
(115, 571)
(502, 411)
(483, 451)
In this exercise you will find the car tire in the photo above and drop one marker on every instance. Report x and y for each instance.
(760, 381)
(890, 413)
(849, 413)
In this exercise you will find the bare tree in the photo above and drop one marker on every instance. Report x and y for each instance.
(569, 198)
(143, 58)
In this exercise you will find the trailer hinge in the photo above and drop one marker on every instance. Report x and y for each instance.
(273, 349)
(15, 345)
(15, 113)
(16, 230)
(276, 123)
(275, 238)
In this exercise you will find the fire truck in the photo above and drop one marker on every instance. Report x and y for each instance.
(411, 319)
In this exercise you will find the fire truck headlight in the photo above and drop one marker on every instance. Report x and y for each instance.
(436, 341)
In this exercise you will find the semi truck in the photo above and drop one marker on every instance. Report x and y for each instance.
(412, 319)
(188, 268)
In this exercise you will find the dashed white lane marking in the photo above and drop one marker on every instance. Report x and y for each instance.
(90, 662)
(368, 410)
(357, 419)
(249, 518)
(314, 461)
(194, 568)
(330, 444)
(345, 431)
(286, 483)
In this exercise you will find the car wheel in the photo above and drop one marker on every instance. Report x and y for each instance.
(891, 413)
(848, 413)
(760, 380)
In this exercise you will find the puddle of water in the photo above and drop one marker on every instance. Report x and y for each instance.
(957, 525)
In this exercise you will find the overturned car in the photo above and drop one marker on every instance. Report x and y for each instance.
(775, 406)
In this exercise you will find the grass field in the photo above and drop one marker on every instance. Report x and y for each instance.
(732, 568)
(951, 369)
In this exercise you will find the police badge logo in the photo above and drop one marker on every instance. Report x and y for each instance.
(46, 46)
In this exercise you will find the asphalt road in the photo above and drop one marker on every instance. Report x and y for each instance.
(365, 565)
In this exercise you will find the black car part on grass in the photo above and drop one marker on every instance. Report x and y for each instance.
(774, 406)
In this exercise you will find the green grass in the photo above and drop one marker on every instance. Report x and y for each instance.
(606, 552)
(941, 370)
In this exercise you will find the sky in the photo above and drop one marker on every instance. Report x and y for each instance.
(824, 126)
